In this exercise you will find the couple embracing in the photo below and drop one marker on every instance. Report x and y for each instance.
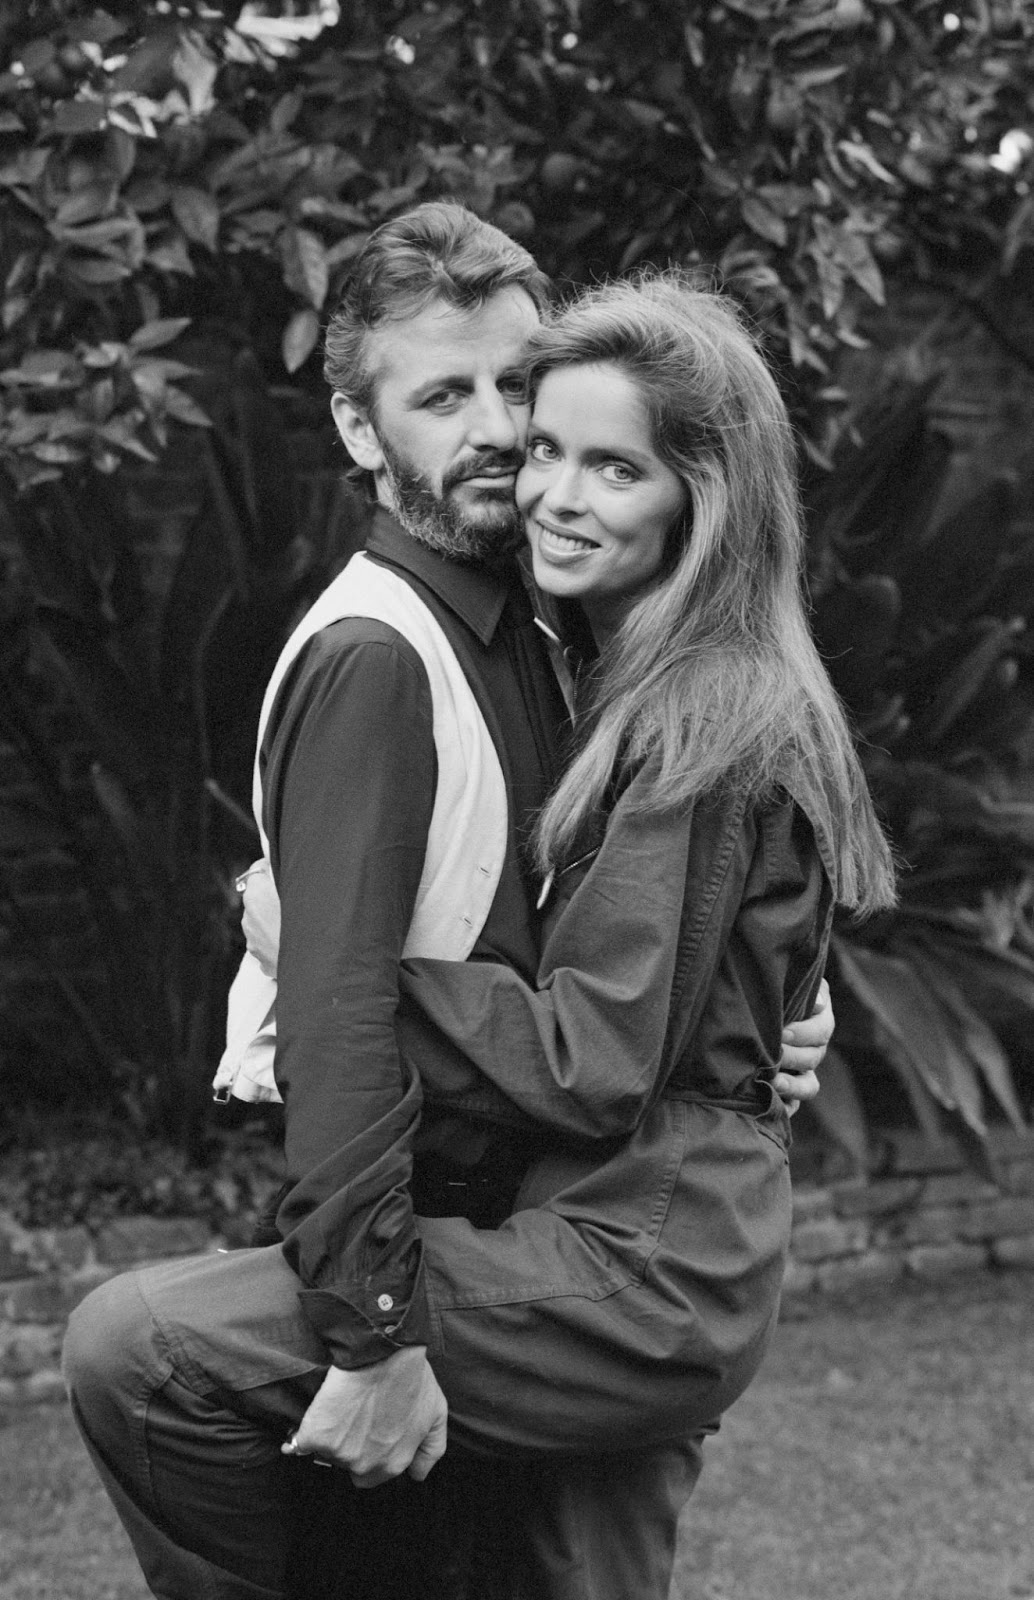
(549, 872)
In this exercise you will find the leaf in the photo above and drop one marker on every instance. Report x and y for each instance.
(36, 55)
(79, 116)
(26, 169)
(47, 368)
(966, 680)
(129, 826)
(831, 281)
(161, 330)
(890, 988)
(983, 1046)
(861, 156)
(763, 220)
(305, 265)
(58, 455)
(839, 1109)
(999, 984)
(98, 28)
(346, 249)
(195, 69)
(818, 77)
(788, 199)
(184, 409)
(91, 201)
(197, 213)
(171, 255)
(96, 270)
(92, 235)
(853, 250)
(285, 111)
(299, 340)
(635, 249)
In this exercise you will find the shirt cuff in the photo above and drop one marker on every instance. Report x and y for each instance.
(363, 1323)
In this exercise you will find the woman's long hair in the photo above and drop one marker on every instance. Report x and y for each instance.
(714, 667)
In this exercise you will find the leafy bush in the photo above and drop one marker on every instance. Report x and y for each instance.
(158, 165)
(182, 191)
(58, 1175)
(923, 609)
(165, 689)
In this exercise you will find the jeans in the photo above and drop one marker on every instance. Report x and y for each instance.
(186, 1378)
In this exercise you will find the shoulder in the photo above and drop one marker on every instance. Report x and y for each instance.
(356, 669)
(793, 844)
(358, 641)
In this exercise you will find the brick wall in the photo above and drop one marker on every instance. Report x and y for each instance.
(928, 1218)
(45, 1272)
(926, 1223)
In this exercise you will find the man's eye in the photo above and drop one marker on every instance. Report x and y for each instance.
(513, 389)
(442, 399)
(541, 450)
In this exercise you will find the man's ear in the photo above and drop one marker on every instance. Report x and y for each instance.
(357, 433)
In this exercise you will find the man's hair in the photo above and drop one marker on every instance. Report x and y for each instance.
(713, 672)
(436, 251)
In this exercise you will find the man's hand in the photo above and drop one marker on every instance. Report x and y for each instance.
(377, 1422)
(804, 1045)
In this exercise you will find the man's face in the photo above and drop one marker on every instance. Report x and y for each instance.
(448, 422)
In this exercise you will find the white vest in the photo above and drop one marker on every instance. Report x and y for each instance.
(466, 842)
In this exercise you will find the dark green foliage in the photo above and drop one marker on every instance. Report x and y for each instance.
(180, 202)
(924, 607)
(56, 1176)
(165, 690)
(158, 165)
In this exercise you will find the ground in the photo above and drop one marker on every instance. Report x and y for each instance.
(886, 1452)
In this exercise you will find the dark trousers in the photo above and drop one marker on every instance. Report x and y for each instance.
(186, 1378)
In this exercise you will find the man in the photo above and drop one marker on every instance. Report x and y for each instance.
(358, 747)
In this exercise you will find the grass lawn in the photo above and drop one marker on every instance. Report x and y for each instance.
(886, 1452)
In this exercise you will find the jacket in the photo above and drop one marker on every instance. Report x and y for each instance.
(644, 1260)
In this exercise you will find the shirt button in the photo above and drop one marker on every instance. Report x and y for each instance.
(384, 1302)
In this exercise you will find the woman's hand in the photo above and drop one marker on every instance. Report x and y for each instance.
(804, 1045)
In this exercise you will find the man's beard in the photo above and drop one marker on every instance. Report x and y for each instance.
(485, 531)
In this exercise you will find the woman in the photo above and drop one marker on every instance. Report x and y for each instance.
(712, 814)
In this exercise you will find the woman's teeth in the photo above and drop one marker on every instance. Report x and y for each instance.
(565, 541)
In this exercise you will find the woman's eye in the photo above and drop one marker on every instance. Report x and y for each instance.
(541, 450)
(441, 400)
(618, 472)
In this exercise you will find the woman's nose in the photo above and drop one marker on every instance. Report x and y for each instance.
(563, 492)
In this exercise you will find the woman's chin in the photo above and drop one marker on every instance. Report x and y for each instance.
(554, 580)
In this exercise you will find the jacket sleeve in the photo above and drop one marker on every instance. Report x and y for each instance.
(582, 1049)
(722, 915)
(348, 790)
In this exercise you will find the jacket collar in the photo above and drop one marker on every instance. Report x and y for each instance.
(476, 594)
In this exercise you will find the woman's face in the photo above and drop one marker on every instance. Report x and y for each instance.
(597, 500)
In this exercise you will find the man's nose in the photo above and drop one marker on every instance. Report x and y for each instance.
(492, 425)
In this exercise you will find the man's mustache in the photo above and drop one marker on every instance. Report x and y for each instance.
(485, 461)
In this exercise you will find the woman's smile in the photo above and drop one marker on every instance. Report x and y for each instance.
(559, 543)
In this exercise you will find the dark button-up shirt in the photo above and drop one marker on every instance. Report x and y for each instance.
(349, 773)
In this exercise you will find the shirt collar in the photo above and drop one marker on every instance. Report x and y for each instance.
(475, 594)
